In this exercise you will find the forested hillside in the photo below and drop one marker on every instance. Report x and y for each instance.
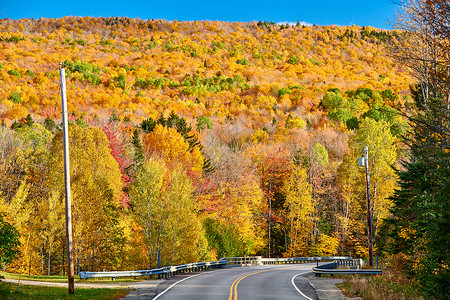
(196, 140)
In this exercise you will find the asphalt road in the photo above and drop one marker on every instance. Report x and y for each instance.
(259, 282)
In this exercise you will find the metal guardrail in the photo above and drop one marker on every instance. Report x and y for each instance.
(244, 261)
(317, 271)
(165, 271)
(258, 260)
(355, 264)
(300, 260)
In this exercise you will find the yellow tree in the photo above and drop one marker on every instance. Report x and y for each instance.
(240, 204)
(25, 207)
(298, 211)
(170, 145)
(40, 242)
(382, 157)
(186, 237)
(164, 208)
(96, 189)
(18, 212)
(146, 199)
(12, 163)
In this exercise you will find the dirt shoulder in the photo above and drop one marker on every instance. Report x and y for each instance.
(326, 288)
(149, 284)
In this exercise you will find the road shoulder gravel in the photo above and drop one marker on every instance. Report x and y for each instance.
(326, 288)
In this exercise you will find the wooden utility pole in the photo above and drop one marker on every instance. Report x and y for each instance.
(70, 271)
(270, 215)
(369, 207)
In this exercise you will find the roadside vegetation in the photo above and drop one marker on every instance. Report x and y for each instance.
(385, 287)
(394, 284)
(60, 278)
(415, 237)
(12, 292)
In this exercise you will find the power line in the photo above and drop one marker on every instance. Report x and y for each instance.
(4, 14)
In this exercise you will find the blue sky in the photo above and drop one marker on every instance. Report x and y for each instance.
(320, 12)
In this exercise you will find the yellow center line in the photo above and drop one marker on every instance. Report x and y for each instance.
(233, 287)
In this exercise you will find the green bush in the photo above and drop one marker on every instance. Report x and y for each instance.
(203, 122)
(315, 62)
(81, 42)
(82, 123)
(390, 95)
(284, 91)
(49, 124)
(218, 45)
(120, 81)
(352, 123)
(196, 85)
(224, 238)
(14, 97)
(364, 91)
(16, 125)
(242, 61)
(29, 73)
(340, 114)
(293, 60)
(105, 42)
(90, 71)
(15, 73)
(13, 38)
(332, 100)
(334, 90)
(112, 118)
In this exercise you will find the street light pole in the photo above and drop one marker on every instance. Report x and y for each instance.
(369, 207)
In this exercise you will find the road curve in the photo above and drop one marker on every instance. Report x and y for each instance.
(259, 282)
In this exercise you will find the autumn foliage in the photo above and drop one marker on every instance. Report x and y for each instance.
(197, 140)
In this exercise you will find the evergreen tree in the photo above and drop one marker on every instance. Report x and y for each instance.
(29, 120)
(9, 242)
(148, 125)
(418, 230)
(138, 151)
(419, 227)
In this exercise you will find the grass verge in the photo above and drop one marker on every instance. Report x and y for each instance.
(64, 278)
(388, 286)
(9, 291)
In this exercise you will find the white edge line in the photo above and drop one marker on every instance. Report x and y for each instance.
(163, 292)
(292, 281)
